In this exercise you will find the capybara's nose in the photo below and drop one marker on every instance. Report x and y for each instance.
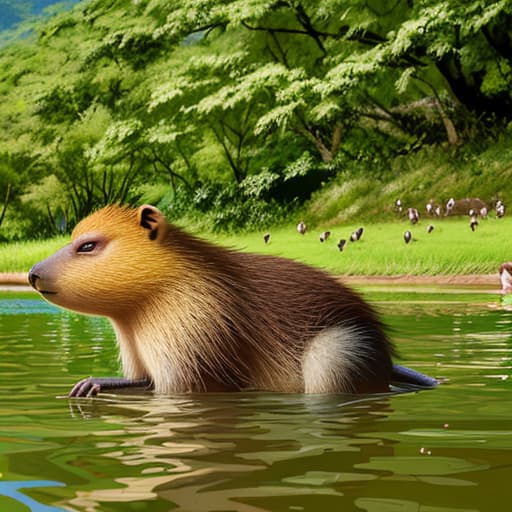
(32, 278)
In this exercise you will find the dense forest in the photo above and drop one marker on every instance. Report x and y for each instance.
(238, 111)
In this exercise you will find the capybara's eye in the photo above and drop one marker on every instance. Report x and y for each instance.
(87, 247)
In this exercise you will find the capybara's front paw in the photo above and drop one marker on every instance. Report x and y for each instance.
(86, 388)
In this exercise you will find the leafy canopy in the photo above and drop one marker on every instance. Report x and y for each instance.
(251, 104)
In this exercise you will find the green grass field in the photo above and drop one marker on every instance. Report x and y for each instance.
(452, 248)
(20, 256)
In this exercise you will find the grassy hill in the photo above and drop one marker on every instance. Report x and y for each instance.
(434, 173)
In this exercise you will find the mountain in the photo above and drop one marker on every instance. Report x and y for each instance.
(13, 12)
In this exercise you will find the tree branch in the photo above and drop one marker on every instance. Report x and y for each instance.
(280, 49)
(305, 21)
(364, 37)
(169, 169)
(315, 138)
(221, 139)
(451, 132)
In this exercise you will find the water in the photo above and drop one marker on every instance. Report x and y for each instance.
(449, 449)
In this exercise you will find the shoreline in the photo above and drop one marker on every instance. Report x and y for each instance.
(14, 279)
(19, 280)
(448, 279)
(14, 282)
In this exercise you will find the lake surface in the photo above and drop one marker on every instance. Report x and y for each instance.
(449, 449)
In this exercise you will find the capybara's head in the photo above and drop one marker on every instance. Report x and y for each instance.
(114, 262)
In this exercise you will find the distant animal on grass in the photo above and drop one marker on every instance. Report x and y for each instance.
(433, 208)
(341, 244)
(500, 209)
(413, 215)
(191, 316)
(324, 236)
(430, 228)
(301, 227)
(449, 205)
(356, 235)
(506, 277)
(473, 223)
(407, 236)
(266, 238)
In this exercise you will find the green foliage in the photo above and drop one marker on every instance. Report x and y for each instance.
(227, 206)
(241, 107)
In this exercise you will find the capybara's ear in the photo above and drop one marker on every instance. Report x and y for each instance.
(151, 218)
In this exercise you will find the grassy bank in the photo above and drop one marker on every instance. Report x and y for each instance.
(452, 248)
(20, 256)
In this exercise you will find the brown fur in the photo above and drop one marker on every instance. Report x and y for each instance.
(463, 206)
(192, 316)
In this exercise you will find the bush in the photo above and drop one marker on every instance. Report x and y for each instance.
(218, 206)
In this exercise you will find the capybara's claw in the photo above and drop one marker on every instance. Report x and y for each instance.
(86, 388)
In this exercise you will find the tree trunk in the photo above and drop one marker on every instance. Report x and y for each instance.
(6, 202)
(451, 132)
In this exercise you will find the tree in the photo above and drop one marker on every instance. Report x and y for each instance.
(266, 99)
(16, 171)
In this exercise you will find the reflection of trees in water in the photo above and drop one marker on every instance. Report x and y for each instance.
(49, 346)
(465, 339)
(225, 452)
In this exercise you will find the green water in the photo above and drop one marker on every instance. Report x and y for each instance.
(449, 449)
